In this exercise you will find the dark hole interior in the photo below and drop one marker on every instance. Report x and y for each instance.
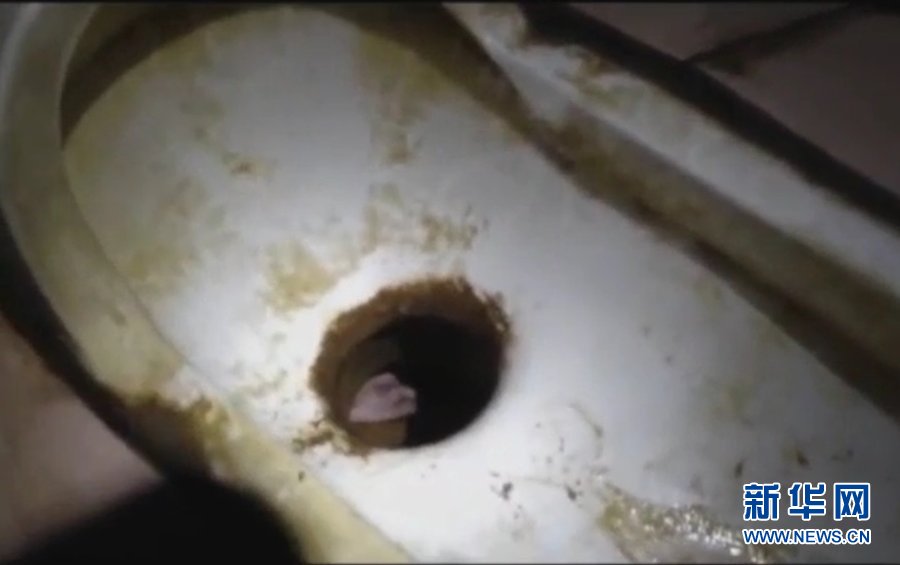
(454, 370)
(438, 337)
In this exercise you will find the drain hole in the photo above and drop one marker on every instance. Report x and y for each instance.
(453, 370)
(437, 337)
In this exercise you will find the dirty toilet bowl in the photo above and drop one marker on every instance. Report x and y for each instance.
(239, 208)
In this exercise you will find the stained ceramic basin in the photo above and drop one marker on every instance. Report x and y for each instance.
(233, 206)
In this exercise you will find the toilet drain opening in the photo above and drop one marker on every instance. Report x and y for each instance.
(436, 344)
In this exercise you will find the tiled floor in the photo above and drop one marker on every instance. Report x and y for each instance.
(839, 88)
(686, 29)
(58, 462)
(830, 74)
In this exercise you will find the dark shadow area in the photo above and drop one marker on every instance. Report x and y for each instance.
(187, 519)
(453, 370)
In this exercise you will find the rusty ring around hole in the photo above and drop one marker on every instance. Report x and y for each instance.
(459, 336)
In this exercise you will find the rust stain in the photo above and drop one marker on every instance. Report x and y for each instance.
(182, 202)
(237, 163)
(587, 80)
(322, 432)
(591, 66)
(794, 455)
(710, 292)
(730, 399)
(442, 233)
(265, 386)
(397, 147)
(158, 268)
(389, 220)
(241, 166)
(295, 277)
(179, 432)
(184, 224)
(318, 434)
(199, 437)
(403, 87)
